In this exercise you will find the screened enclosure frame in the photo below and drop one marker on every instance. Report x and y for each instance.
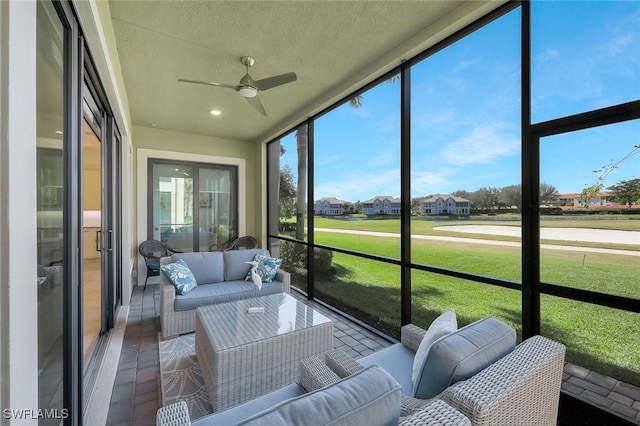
(531, 287)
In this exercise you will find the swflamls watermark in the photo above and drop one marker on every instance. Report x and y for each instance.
(30, 413)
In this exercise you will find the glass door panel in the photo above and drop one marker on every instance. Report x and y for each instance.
(92, 241)
(215, 208)
(193, 206)
(173, 205)
(50, 207)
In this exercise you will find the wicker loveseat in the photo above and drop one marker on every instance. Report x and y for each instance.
(220, 277)
(520, 388)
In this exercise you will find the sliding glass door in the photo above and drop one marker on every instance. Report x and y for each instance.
(173, 205)
(92, 282)
(216, 209)
(193, 206)
(51, 209)
(77, 186)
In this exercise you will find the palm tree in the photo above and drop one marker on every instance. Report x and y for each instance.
(302, 139)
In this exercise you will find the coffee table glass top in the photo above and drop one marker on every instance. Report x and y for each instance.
(230, 324)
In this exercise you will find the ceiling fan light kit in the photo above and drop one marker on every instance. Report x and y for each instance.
(248, 87)
(248, 91)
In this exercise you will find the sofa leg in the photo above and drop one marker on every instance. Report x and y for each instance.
(163, 338)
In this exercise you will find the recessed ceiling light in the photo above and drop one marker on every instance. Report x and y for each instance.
(154, 125)
(59, 132)
(215, 112)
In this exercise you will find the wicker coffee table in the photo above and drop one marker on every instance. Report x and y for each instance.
(243, 355)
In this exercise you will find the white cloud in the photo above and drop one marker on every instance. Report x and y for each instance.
(425, 182)
(483, 144)
(620, 44)
(433, 118)
(360, 186)
(548, 55)
(327, 159)
(463, 65)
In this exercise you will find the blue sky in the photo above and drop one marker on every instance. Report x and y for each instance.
(466, 109)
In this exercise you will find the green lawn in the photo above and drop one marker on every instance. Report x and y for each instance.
(602, 339)
(426, 227)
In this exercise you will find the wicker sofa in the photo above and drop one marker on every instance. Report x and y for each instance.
(370, 396)
(220, 277)
(520, 388)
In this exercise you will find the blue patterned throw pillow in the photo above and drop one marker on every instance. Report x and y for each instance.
(180, 276)
(266, 269)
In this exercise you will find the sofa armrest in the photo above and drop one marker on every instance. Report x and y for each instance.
(410, 405)
(176, 414)
(411, 335)
(436, 412)
(341, 363)
(314, 374)
(523, 387)
(167, 294)
(285, 278)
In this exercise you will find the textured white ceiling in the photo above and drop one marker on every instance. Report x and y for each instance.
(334, 47)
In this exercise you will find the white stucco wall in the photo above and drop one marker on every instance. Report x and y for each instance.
(95, 18)
(18, 281)
(236, 153)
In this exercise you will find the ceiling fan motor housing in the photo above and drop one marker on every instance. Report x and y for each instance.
(248, 61)
(246, 86)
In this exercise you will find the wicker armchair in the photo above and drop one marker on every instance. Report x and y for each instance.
(152, 251)
(522, 388)
(243, 243)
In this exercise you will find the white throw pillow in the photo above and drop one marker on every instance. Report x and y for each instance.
(445, 324)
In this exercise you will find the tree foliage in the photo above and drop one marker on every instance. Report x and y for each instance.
(462, 193)
(485, 198)
(592, 191)
(287, 192)
(626, 192)
(415, 205)
(302, 137)
(548, 193)
(512, 196)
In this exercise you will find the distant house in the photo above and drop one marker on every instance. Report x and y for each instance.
(331, 207)
(383, 204)
(572, 200)
(445, 204)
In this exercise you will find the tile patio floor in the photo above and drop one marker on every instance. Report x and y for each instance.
(136, 392)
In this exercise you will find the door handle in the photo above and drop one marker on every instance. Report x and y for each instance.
(99, 240)
(110, 241)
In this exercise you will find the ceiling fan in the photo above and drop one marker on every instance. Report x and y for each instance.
(248, 87)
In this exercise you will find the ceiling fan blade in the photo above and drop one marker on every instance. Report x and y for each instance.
(277, 80)
(256, 104)
(208, 83)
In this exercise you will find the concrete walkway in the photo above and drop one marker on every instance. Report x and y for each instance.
(486, 242)
(562, 234)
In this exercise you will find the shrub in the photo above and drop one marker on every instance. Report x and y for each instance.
(294, 257)
(323, 259)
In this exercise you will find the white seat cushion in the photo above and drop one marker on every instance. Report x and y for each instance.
(445, 324)
(462, 354)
